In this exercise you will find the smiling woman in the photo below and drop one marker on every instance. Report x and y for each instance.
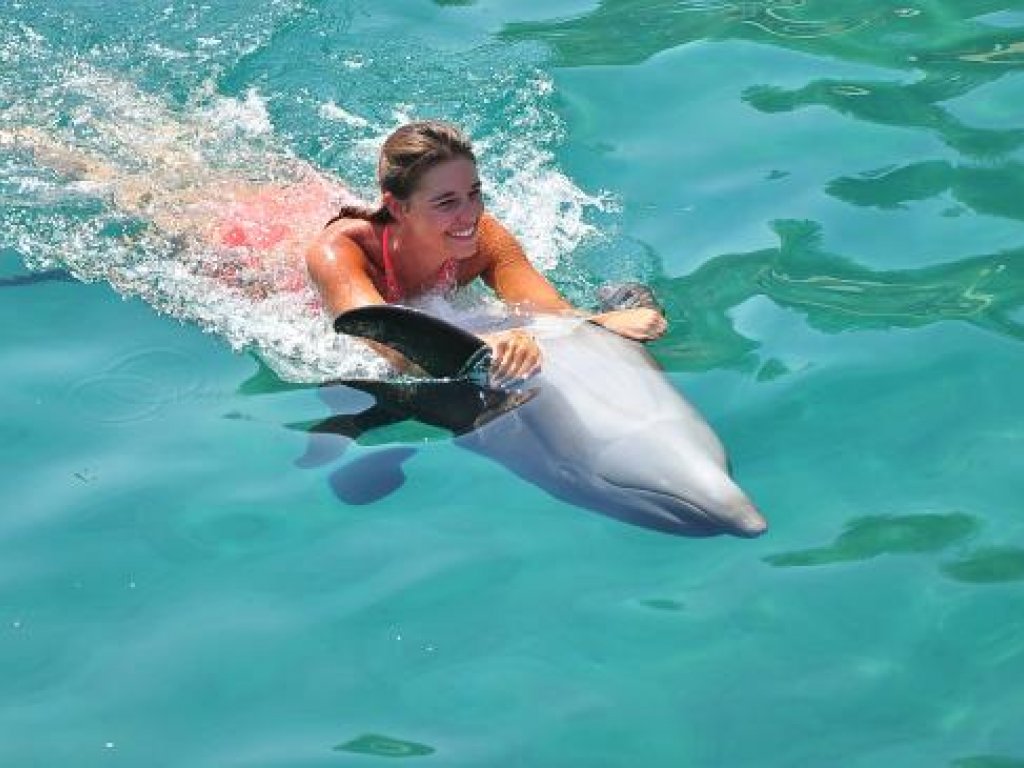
(430, 234)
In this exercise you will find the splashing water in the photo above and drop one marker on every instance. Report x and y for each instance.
(202, 209)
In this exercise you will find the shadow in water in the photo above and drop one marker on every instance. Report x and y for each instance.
(988, 565)
(869, 537)
(36, 278)
(371, 477)
(834, 294)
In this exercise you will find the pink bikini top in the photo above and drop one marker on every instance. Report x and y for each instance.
(447, 276)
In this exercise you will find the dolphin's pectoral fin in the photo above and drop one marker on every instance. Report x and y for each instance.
(499, 402)
(372, 477)
(441, 349)
(329, 438)
(458, 405)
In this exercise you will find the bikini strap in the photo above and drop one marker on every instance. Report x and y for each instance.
(448, 277)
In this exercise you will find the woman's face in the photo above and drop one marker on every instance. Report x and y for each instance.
(445, 209)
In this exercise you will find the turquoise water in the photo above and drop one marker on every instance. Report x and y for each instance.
(826, 196)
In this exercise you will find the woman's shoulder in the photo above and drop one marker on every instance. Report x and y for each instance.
(497, 244)
(345, 233)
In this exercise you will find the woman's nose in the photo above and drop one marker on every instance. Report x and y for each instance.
(469, 211)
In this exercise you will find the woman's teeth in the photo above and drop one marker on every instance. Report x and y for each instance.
(469, 232)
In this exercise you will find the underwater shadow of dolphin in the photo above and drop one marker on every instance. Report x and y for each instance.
(600, 427)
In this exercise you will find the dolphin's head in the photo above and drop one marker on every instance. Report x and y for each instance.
(677, 491)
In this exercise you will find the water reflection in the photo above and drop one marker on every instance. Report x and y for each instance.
(893, 104)
(994, 190)
(887, 34)
(988, 761)
(834, 293)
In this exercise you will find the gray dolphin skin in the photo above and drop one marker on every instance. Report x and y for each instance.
(600, 427)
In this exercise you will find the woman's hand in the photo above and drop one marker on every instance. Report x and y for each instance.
(515, 354)
(641, 324)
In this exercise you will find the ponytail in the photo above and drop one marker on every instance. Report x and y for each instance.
(378, 215)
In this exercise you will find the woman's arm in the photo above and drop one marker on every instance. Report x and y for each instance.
(340, 270)
(516, 281)
(510, 274)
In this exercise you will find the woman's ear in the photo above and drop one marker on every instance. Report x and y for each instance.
(395, 206)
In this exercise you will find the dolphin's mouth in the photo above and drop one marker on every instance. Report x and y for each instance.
(675, 514)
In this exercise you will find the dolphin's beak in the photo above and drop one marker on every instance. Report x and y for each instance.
(747, 521)
(736, 516)
(679, 491)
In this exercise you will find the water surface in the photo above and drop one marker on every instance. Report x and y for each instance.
(827, 198)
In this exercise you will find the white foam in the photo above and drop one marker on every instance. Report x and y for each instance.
(247, 116)
(331, 111)
(181, 151)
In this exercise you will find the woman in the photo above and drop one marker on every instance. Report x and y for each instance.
(430, 233)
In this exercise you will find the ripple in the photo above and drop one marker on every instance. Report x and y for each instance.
(220, 529)
(137, 386)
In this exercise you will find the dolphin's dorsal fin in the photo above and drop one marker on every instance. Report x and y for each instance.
(441, 349)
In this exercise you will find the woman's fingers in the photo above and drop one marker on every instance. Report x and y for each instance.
(516, 355)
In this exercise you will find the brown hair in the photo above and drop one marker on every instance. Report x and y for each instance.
(406, 156)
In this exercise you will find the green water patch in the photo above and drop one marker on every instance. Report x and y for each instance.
(988, 761)
(384, 746)
(870, 537)
(834, 293)
(264, 381)
(664, 604)
(915, 106)
(658, 25)
(993, 190)
(936, 34)
(988, 565)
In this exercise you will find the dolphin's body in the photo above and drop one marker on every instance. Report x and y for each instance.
(600, 427)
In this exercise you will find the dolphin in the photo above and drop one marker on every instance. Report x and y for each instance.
(600, 426)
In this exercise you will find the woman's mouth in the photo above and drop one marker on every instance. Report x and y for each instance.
(462, 234)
